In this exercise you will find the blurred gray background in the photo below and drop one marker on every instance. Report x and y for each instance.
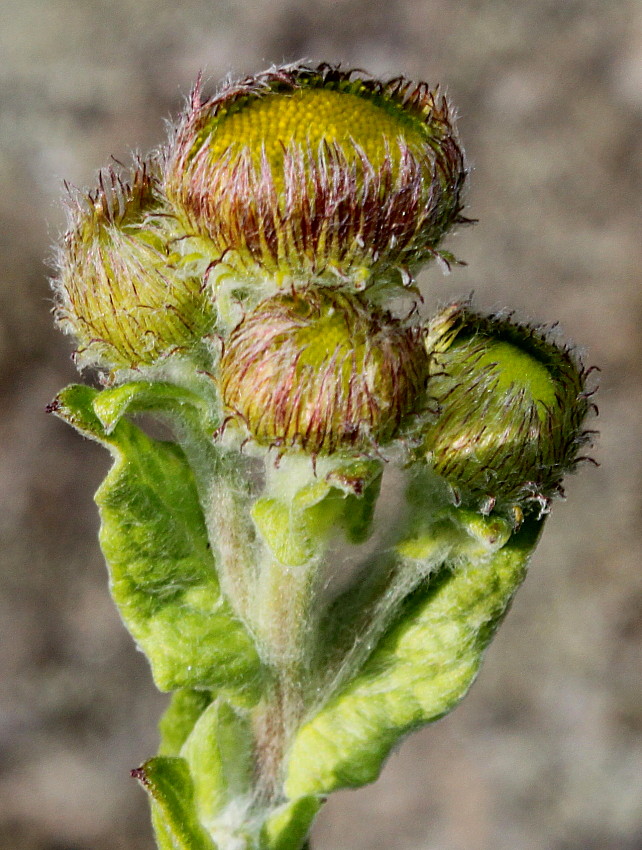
(546, 751)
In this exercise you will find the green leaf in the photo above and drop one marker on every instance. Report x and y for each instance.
(171, 792)
(288, 826)
(296, 521)
(294, 530)
(361, 482)
(418, 672)
(162, 572)
(180, 716)
(219, 754)
(141, 396)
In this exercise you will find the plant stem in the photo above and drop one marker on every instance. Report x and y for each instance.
(231, 528)
(284, 618)
(285, 624)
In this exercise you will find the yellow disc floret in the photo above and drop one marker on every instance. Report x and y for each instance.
(309, 119)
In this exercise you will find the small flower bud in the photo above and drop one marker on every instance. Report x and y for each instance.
(318, 174)
(510, 408)
(119, 290)
(318, 371)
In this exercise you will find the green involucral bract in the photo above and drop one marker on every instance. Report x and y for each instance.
(249, 291)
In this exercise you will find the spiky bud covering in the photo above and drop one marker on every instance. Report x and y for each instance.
(119, 291)
(319, 371)
(317, 174)
(510, 408)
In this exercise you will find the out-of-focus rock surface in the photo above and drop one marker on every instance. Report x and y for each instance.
(546, 752)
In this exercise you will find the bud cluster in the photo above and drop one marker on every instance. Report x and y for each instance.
(308, 197)
(300, 192)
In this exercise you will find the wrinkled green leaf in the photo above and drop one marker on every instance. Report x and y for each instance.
(180, 716)
(296, 524)
(419, 671)
(218, 752)
(288, 826)
(171, 792)
(141, 396)
(162, 573)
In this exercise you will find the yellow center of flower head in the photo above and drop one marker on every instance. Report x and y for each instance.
(308, 118)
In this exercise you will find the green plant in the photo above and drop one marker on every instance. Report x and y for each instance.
(247, 287)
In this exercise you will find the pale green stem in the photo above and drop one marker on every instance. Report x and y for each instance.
(224, 491)
(231, 527)
(397, 577)
(285, 625)
(284, 618)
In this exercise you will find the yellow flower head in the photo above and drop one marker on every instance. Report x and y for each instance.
(305, 175)
(119, 291)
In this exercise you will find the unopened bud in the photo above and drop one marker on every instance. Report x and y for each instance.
(510, 406)
(318, 174)
(318, 371)
(119, 291)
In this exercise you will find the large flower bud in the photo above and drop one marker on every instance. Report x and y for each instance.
(317, 174)
(318, 371)
(510, 408)
(119, 291)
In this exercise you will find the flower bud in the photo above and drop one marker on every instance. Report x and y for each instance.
(510, 408)
(318, 174)
(318, 371)
(119, 291)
